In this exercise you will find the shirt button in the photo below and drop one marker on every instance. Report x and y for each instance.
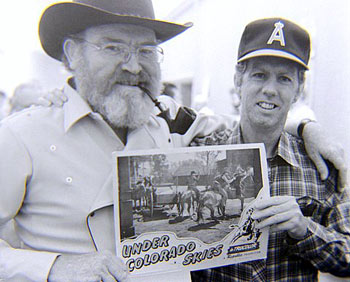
(169, 140)
(53, 148)
(69, 179)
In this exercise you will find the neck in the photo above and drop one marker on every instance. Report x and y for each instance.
(269, 136)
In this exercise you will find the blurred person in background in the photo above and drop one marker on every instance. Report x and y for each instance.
(170, 89)
(3, 100)
(26, 95)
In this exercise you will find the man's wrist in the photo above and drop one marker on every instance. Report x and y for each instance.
(302, 125)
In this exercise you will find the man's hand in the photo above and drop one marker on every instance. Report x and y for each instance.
(281, 213)
(91, 267)
(55, 97)
(319, 147)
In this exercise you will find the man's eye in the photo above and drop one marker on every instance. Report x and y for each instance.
(147, 51)
(259, 75)
(284, 78)
(114, 48)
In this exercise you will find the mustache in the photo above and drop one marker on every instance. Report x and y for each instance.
(141, 79)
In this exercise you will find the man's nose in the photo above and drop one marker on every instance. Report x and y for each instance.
(270, 87)
(131, 63)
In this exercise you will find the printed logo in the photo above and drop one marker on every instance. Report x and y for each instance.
(277, 34)
(234, 251)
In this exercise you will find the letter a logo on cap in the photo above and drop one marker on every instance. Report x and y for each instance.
(277, 34)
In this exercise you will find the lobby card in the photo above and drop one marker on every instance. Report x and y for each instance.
(189, 208)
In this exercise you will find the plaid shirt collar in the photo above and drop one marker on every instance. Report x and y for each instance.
(284, 150)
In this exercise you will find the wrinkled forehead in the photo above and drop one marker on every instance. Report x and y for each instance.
(121, 32)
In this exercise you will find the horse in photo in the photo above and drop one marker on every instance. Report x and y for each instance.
(216, 197)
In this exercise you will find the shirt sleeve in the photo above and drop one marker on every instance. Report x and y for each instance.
(15, 171)
(327, 244)
(203, 124)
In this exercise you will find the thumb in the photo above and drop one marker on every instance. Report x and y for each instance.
(321, 166)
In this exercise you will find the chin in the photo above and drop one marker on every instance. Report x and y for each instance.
(130, 110)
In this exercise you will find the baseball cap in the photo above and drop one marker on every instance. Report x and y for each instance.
(275, 37)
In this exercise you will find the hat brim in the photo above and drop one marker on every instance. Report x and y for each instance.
(272, 53)
(63, 19)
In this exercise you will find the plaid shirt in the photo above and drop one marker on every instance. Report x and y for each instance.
(326, 246)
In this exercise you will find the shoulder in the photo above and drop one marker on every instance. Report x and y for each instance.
(223, 137)
(295, 145)
(297, 150)
(33, 118)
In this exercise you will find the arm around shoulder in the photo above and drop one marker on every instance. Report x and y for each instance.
(319, 145)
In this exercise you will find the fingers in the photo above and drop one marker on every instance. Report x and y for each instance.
(262, 204)
(275, 210)
(315, 146)
(117, 269)
(281, 213)
(274, 220)
(88, 267)
(108, 278)
(321, 165)
(343, 179)
(55, 97)
(320, 146)
(44, 102)
(337, 157)
(289, 225)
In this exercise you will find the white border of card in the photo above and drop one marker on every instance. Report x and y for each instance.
(159, 233)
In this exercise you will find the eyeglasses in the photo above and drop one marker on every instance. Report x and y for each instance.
(123, 51)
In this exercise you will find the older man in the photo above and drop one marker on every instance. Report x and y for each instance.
(56, 168)
(309, 222)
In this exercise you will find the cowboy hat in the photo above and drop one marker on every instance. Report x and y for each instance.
(66, 18)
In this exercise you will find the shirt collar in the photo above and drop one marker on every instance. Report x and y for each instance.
(75, 108)
(284, 149)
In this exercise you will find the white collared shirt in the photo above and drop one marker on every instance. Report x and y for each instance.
(56, 170)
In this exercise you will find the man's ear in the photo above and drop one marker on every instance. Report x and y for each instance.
(70, 49)
(237, 79)
(300, 91)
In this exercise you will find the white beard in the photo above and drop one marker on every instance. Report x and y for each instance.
(122, 106)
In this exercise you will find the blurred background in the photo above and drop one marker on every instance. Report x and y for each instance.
(199, 64)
